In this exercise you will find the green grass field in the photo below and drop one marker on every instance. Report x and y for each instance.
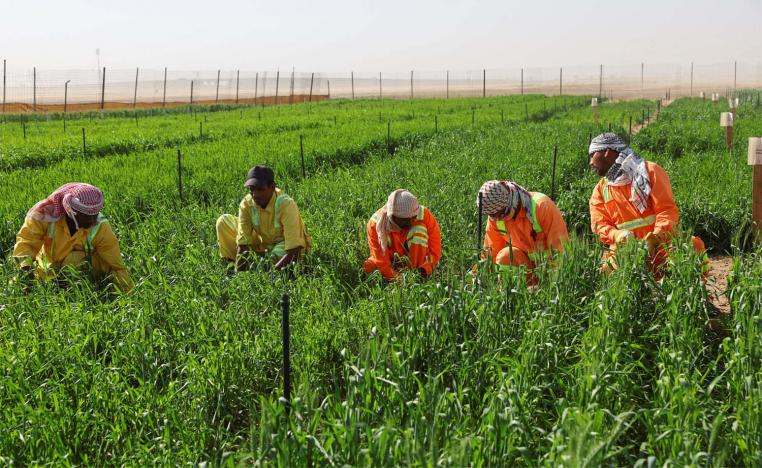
(587, 370)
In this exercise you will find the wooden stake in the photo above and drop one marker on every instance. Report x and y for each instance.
(756, 200)
(217, 93)
(312, 82)
(479, 225)
(135, 95)
(237, 83)
(103, 89)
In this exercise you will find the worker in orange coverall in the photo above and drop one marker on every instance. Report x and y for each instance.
(403, 235)
(520, 223)
(633, 200)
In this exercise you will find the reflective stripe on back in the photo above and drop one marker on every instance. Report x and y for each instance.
(420, 213)
(52, 236)
(501, 227)
(94, 232)
(637, 223)
(278, 202)
(537, 196)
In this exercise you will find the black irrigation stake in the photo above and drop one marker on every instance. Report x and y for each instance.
(23, 128)
(526, 112)
(285, 304)
(84, 144)
(436, 123)
(609, 127)
(389, 137)
(473, 117)
(553, 175)
(201, 130)
(479, 225)
(630, 137)
(180, 173)
(301, 152)
(502, 116)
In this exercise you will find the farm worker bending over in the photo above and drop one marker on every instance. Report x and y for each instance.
(520, 223)
(403, 235)
(268, 223)
(633, 200)
(67, 229)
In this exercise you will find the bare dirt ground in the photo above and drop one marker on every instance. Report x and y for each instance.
(717, 284)
(111, 105)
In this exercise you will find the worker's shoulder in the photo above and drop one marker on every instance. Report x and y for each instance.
(376, 216)
(654, 168)
(247, 201)
(285, 203)
(541, 200)
(598, 186)
(103, 229)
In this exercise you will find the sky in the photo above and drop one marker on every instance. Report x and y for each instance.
(371, 36)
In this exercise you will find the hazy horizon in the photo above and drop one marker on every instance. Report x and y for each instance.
(368, 37)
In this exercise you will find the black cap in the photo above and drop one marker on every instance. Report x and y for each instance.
(259, 176)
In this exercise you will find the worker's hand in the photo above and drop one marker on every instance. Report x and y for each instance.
(624, 236)
(26, 277)
(652, 242)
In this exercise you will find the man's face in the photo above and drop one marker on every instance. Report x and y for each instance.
(601, 161)
(403, 223)
(262, 195)
(85, 221)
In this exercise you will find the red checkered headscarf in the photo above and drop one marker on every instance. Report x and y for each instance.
(68, 198)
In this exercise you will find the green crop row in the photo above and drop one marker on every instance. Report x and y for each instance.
(587, 369)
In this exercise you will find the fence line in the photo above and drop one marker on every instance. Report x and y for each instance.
(44, 90)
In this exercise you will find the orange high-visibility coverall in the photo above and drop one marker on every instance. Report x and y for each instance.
(417, 247)
(511, 245)
(612, 214)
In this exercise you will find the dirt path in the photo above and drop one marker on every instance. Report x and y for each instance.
(637, 127)
(717, 284)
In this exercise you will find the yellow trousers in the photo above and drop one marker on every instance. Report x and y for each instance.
(227, 232)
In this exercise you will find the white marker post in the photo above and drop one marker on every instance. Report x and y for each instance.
(726, 120)
(755, 159)
(594, 105)
(733, 103)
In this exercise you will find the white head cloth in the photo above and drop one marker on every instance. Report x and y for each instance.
(628, 169)
(401, 204)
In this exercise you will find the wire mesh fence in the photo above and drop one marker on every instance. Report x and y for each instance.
(49, 90)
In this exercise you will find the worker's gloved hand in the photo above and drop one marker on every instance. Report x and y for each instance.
(624, 236)
(652, 242)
